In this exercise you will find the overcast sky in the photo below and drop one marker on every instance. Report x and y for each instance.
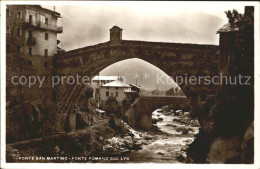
(88, 23)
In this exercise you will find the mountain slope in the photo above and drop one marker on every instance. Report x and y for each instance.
(149, 75)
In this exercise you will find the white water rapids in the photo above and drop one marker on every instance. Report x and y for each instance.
(168, 144)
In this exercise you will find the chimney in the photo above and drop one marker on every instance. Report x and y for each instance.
(115, 34)
(249, 10)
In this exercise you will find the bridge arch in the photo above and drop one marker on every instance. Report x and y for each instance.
(175, 59)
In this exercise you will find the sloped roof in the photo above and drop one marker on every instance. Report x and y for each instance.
(116, 84)
(116, 27)
(129, 91)
(135, 86)
(227, 28)
(39, 7)
(105, 78)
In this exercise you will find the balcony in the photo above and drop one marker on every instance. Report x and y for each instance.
(55, 28)
(41, 25)
(31, 41)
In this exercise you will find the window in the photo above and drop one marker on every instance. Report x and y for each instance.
(116, 102)
(8, 48)
(46, 52)
(45, 64)
(116, 94)
(18, 49)
(30, 51)
(46, 20)
(18, 32)
(107, 93)
(116, 88)
(42, 18)
(19, 15)
(8, 13)
(30, 18)
(107, 87)
(46, 36)
(8, 30)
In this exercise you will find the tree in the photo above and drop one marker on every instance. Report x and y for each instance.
(170, 92)
(88, 92)
(84, 101)
(241, 21)
(176, 89)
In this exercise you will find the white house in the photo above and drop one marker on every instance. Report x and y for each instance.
(114, 93)
(98, 81)
(113, 90)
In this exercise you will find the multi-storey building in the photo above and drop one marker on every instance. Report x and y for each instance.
(98, 81)
(32, 32)
(112, 95)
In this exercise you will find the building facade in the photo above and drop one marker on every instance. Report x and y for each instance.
(133, 92)
(112, 95)
(31, 32)
(98, 81)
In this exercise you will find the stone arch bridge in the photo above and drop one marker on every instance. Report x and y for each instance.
(139, 115)
(175, 59)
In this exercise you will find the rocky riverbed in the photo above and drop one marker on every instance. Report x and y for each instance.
(167, 142)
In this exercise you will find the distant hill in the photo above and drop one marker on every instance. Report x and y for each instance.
(131, 67)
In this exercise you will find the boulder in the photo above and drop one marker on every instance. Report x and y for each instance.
(137, 145)
(160, 110)
(191, 129)
(178, 112)
(148, 137)
(144, 142)
(172, 125)
(185, 132)
(56, 149)
(160, 153)
(128, 142)
(176, 120)
(154, 120)
(186, 113)
(160, 119)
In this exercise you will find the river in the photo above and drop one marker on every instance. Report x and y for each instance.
(169, 145)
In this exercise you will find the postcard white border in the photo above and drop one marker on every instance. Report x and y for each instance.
(256, 165)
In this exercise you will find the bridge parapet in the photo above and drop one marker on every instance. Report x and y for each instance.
(165, 98)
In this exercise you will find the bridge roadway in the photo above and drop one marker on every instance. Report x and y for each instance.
(139, 115)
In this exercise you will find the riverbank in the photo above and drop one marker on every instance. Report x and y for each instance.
(112, 140)
(64, 147)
